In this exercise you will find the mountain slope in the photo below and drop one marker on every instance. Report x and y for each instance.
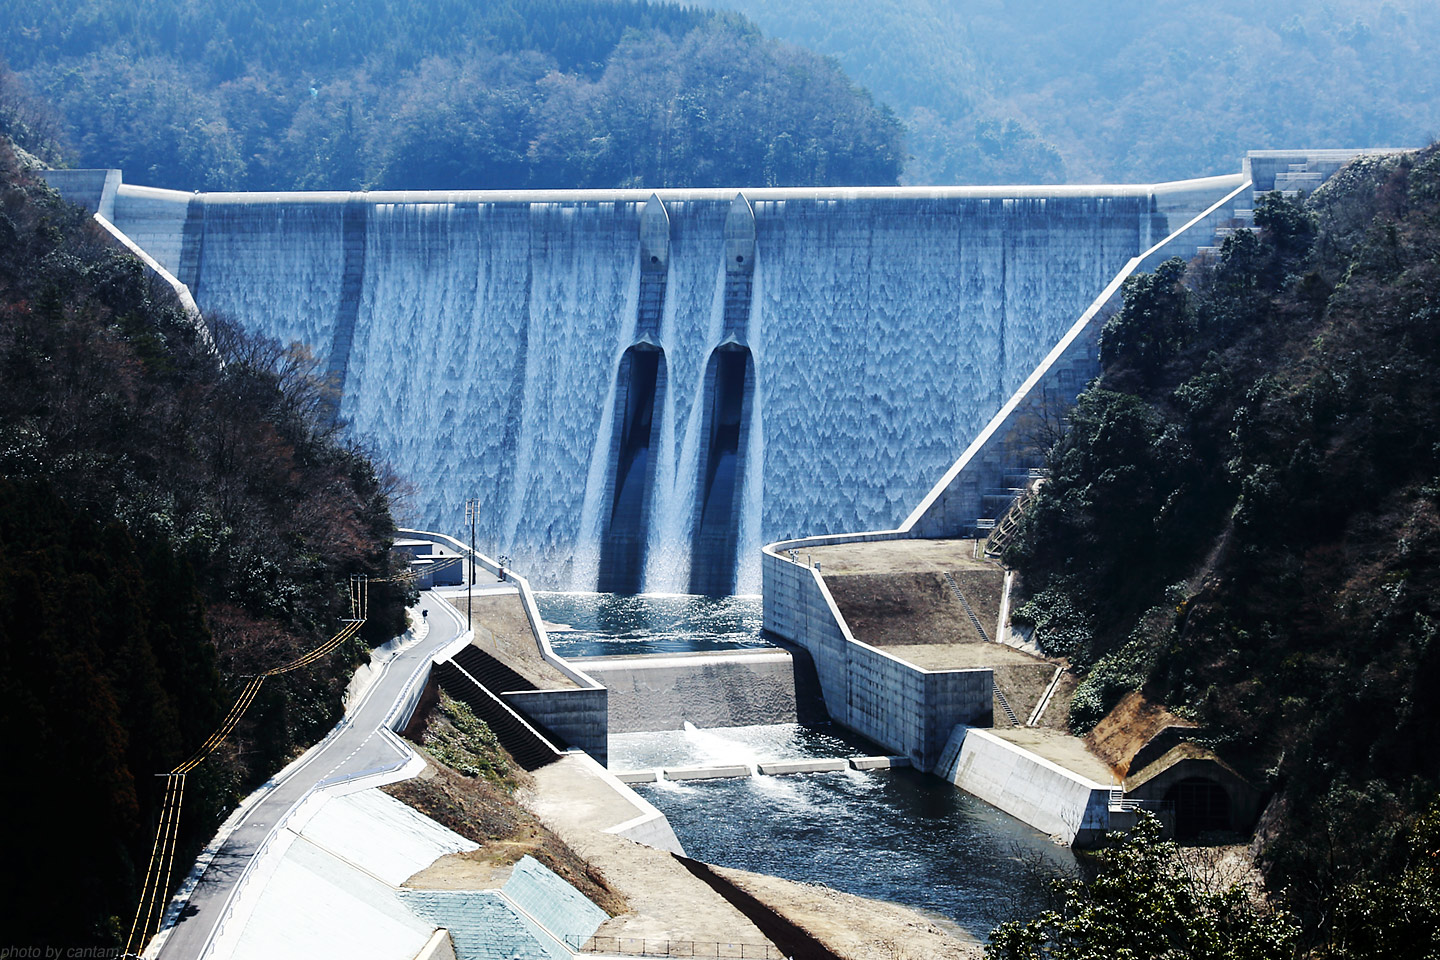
(1244, 517)
(1123, 91)
(380, 94)
(169, 527)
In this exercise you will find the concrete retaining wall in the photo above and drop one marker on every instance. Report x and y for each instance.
(92, 189)
(579, 715)
(894, 703)
(155, 220)
(1026, 786)
(729, 689)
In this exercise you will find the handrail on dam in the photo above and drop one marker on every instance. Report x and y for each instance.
(698, 949)
(640, 195)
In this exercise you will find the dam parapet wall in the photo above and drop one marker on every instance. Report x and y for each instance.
(1029, 787)
(94, 190)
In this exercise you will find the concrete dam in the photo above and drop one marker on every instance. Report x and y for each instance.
(640, 388)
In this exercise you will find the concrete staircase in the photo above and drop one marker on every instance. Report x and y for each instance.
(1005, 706)
(1294, 175)
(491, 673)
(1004, 531)
(527, 745)
(969, 611)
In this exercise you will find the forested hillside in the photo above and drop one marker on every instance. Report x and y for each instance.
(169, 524)
(1243, 521)
(382, 94)
(995, 91)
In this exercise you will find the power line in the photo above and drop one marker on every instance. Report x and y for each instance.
(153, 894)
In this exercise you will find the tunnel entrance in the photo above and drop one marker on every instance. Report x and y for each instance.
(640, 389)
(729, 389)
(1200, 805)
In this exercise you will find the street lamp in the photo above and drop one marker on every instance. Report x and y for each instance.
(472, 511)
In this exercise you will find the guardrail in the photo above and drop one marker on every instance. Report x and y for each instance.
(654, 947)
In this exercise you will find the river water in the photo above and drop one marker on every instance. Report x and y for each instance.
(894, 835)
(612, 624)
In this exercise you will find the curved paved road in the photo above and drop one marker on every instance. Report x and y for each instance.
(357, 749)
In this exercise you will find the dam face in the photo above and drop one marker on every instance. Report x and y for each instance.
(640, 388)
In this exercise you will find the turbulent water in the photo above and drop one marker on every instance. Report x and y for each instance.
(891, 835)
(487, 336)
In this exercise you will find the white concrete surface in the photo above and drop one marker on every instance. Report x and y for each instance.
(382, 836)
(878, 763)
(706, 773)
(774, 767)
(439, 947)
(1026, 785)
(317, 905)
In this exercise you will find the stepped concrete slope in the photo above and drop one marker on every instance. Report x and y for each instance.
(732, 688)
(644, 387)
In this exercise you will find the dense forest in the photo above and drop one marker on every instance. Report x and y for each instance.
(1004, 91)
(171, 520)
(1243, 521)
(380, 94)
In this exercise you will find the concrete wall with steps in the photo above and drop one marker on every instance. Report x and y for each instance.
(879, 696)
(1005, 447)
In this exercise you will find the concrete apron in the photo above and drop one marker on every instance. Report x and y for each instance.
(768, 768)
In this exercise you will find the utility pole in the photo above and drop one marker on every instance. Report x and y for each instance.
(472, 510)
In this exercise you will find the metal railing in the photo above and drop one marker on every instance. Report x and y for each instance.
(657, 947)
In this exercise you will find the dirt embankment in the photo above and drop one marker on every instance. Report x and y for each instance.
(503, 630)
(483, 808)
(855, 928)
(890, 609)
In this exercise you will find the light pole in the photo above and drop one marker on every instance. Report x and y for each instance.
(472, 510)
